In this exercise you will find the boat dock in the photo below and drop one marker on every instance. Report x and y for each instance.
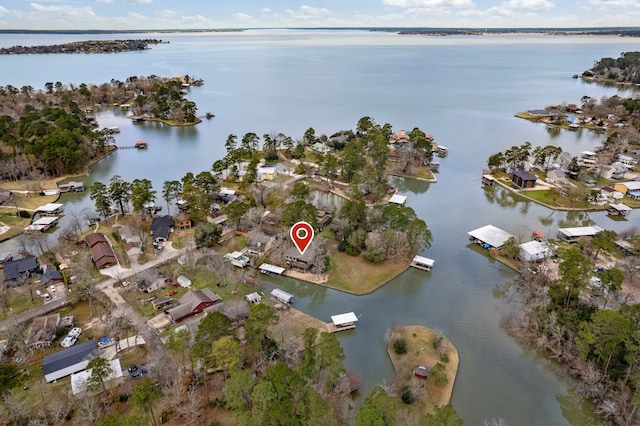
(423, 263)
(342, 322)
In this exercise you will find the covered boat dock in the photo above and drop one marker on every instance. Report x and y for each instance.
(266, 268)
(489, 236)
(342, 322)
(423, 263)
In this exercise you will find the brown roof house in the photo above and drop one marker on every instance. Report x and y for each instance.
(101, 251)
(183, 221)
(42, 331)
(193, 303)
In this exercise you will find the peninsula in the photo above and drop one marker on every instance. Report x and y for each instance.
(89, 46)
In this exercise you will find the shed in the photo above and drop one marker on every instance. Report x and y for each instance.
(423, 263)
(533, 251)
(68, 361)
(421, 371)
(523, 179)
(266, 268)
(282, 296)
(399, 200)
(184, 281)
(161, 302)
(253, 297)
(574, 234)
(489, 236)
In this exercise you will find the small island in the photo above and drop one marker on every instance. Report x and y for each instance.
(89, 46)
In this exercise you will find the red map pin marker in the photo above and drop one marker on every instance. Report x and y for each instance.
(301, 235)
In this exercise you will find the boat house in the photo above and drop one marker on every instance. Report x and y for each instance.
(489, 236)
(43, 224)
(343, 322)
(266, 268)
(398, 200)
(619, 210)
(282, 296)
(423, 263)
(71, 187)
(574, 234)
(50, 209)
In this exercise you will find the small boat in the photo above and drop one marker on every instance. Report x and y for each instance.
(141, 145)
(209, 115)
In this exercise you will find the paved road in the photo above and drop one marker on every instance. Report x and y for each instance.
(47, 307)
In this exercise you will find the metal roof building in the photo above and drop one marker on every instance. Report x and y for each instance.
(573, 234)
(490, 236)
(282, 296)
(68, 361)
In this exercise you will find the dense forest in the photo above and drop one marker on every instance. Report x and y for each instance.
(90, 46)
(621, 70)
(50, 132)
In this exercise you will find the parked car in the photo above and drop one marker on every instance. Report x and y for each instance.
(52, 288)
(125, 283)
(172, 292)
(46, 297)
(105, 342)
(132, 368)
(68, 341)
(139, 372)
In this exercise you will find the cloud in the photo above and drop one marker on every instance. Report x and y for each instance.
(105, 1)
(429, 4)
(266, 10)
(243, 17)
(615, 3)
(140, 1)
(305, 13)
(166, 13)
(519, 7)
(76, 12)
(3, 11)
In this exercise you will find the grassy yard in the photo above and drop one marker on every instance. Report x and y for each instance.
(421, 351)
(16, 225)
(19, 301)
(356, 275)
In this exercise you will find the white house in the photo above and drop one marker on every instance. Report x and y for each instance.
(533, 251)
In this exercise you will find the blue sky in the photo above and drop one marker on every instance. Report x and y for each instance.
(184, 14)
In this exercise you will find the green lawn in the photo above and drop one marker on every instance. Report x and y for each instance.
(355, 275)
(19, 301)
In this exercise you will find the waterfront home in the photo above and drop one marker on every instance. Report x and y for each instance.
(161, 227)
(588, 158)
(270, 171)
(128, 236)
(183, 221)
(101, 251)
(237, 258)
(614, 171)
(574, 234)
(323, 218)
(193, 303)
(523, 179)
(302, 262)
(489, 236)
(627, 160)
(282, 296)
(533, 251)
(258, 243)
(50, 209)
(423, 263)
(629, 186)
(68, 361)
(14, 269)
(227, 195)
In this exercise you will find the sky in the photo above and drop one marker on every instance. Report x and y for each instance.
(213, 14)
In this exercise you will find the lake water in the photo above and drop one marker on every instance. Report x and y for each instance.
(464, 90)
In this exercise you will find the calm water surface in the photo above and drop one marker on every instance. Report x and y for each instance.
(464, 90)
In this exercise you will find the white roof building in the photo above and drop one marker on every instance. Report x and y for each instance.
(282, 296)
(51, 208)
(573, 234)
(80, 381)
(266, 268)
(398, 199)
(490, 236)
(533, 251)
(344, 319)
